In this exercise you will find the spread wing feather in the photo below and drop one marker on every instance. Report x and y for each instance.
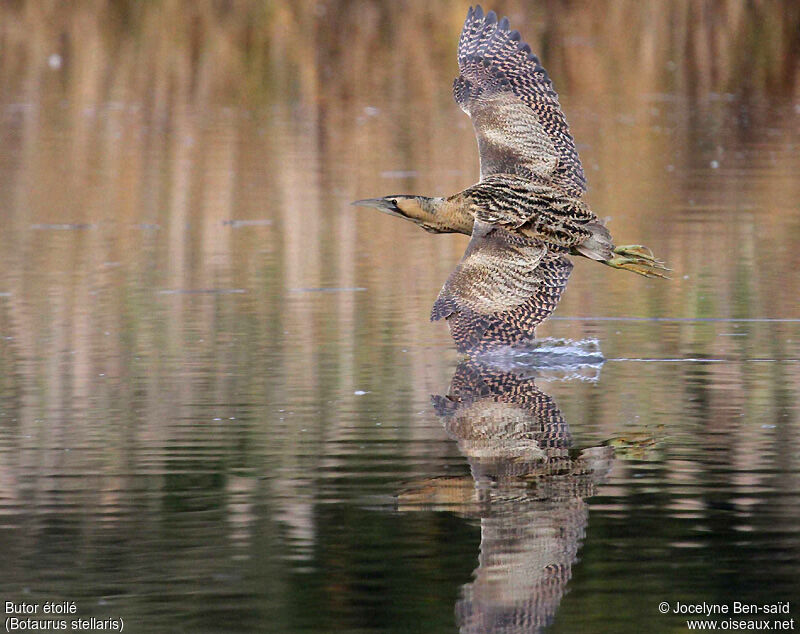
(514, 109)
(503, 287)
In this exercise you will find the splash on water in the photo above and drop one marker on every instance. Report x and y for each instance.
(550, 359)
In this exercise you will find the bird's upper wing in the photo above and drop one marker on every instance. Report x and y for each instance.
(515, 111)
(503, 287)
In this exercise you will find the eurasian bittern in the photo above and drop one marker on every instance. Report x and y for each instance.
(527, 212)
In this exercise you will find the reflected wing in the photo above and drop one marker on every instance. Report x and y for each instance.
(504, 424)
(502, 288)
(475, 382)
(515, 111)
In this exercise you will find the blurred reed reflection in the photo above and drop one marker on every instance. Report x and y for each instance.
(528, 489)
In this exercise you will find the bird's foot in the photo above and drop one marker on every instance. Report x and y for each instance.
(638, 259)
(649, 267)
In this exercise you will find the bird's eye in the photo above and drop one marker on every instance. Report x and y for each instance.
(393, 201)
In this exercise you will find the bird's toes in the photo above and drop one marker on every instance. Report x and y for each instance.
(641, 254)
(639, 265)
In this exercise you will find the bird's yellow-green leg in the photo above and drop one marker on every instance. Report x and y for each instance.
(642, 252)
(649, 267)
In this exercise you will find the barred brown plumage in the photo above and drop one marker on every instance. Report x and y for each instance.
(527, 212)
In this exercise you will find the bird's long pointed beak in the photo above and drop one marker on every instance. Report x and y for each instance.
(378, 203)
(381, 204)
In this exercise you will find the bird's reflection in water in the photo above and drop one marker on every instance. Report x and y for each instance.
(528, 488)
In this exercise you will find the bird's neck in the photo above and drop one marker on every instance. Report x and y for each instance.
(439, 215)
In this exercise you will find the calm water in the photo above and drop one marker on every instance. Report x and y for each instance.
(216, 409)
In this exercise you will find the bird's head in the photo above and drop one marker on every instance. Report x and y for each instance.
(420, 210)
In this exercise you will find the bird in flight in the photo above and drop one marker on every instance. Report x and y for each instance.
(527, 213)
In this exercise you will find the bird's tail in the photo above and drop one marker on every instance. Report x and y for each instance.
(599, 245)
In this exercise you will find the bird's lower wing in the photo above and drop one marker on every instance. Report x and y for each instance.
(502, 288)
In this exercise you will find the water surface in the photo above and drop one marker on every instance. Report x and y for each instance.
(215, 396)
